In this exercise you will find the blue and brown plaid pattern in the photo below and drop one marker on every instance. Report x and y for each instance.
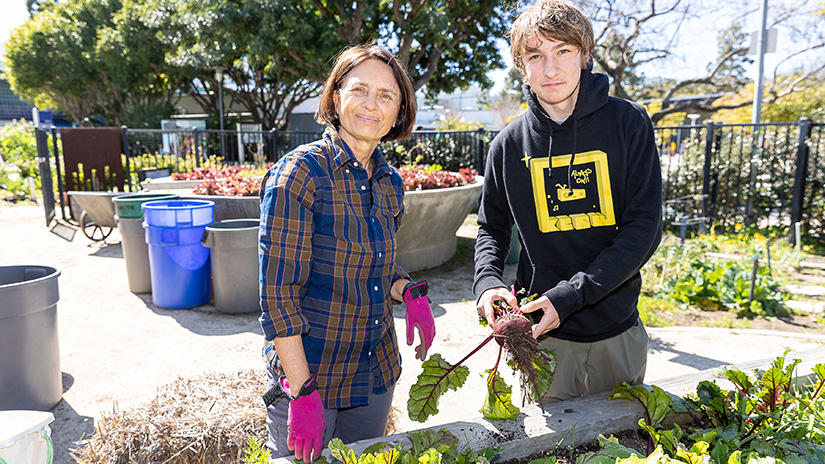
(327, 254)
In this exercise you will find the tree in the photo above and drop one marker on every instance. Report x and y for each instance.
(253, 42)
(633, 33)
(91, 60)
(275, 53)
(789, 108)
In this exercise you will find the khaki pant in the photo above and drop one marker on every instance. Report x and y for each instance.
(584, 368)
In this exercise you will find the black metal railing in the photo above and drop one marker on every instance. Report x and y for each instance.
(756, 174)
(713, 174)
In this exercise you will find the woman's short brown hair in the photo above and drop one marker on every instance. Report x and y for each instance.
(554, 20)
(346, 62)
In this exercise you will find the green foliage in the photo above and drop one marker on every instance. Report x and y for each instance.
(808, 103)
(713, 271)
(611, 452)
(126, 61)
(185, 163)
(255, 452)
(19, 160)
(655, 400)
(92, 60)
(534, 366)
(458, 124)
(437, 378)
(429, 446)
(726, 286)
(498, 403)
(450, 152)
(767, 417)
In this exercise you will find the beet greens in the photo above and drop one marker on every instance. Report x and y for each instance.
(534, 365)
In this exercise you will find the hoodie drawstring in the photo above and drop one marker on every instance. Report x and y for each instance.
(572, 160)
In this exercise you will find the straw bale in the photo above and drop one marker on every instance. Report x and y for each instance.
(204, 419)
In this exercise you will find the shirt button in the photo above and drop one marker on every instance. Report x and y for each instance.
(375, 288)
(347, 171)
(377, 322)
(380, 254)
(363, 187)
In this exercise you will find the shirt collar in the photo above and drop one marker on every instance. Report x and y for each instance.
(344, 155)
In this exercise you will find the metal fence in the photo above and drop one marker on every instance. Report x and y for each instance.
(234, 147)
(750, 174)
(450, 149)
(713, 174)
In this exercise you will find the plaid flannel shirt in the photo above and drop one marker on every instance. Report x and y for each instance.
(327, 262)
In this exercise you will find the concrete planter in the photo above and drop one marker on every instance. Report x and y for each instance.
(231, 207)
(166, 183)
(431, 219)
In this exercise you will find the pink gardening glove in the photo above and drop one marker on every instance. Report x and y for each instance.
(306, 422)
(419, 315)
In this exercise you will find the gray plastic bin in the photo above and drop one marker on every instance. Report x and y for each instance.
(135, 253)
(234, 248)
(30, 375)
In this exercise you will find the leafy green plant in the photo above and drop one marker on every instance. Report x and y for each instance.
(178, 164)
(512, 331)
(451, 150)
(255, 452)
(18, 165)
(727, 286)
(428, 447)
(767, 417)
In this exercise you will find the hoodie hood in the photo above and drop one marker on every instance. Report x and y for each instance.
(592, 96)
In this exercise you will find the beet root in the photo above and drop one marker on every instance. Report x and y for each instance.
(514, 333)
(511, 325)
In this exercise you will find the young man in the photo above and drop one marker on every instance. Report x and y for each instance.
(579, 175)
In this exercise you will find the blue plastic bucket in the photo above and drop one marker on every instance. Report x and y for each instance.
(179, 264)
(178, 213)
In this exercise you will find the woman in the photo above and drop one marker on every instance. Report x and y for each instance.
(330, 211)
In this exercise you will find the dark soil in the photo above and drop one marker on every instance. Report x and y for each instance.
(692, 317)
(633, 439)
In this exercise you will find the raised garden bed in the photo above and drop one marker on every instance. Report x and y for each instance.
(575, 421)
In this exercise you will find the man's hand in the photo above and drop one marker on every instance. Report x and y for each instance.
(485, 303)
(549, 321)
(419, 314)
(306, 422)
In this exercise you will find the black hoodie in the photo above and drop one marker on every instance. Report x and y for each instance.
(588, 223)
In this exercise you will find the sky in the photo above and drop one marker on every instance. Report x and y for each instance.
(696, 52)
(14, 14)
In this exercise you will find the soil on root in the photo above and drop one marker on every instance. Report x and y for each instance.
(633, 439)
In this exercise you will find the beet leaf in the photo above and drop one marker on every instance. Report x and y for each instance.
(437, 377)
(655, 401)
(498, 405)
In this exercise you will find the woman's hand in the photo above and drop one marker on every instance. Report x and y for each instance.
(419, 314)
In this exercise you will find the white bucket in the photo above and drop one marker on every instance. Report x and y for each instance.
(25, 437)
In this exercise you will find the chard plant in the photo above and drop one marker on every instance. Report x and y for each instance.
(512, 332)
(767, 417)
(428, 447)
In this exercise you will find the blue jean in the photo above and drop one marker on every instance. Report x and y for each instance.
(348, 424)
